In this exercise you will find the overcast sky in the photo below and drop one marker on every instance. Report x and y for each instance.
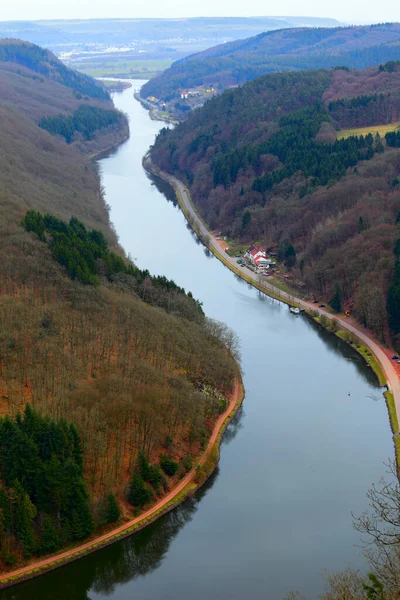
(344, 10)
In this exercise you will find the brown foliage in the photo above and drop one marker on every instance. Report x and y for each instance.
(122, 370)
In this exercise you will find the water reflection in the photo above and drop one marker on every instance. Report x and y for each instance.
(339, 347)
(163, 187)
(208, 253)
(234, 427)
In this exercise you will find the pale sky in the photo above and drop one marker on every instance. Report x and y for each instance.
(362, 11)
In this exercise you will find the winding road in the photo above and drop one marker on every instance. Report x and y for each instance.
(183, 193)
(39, 567)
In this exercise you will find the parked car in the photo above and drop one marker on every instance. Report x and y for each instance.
(322, 305)
(395, 357)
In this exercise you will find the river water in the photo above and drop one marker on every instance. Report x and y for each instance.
(312, 437)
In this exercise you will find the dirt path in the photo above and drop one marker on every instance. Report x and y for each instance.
(387, 365)
(236, 396)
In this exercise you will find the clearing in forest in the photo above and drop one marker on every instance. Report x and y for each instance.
(374, 129)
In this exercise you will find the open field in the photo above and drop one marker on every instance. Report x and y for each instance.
(128, 69)
(381, 129)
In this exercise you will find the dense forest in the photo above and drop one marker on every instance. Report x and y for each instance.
(234, 63)
(104, 369)
(85, 120)
(44, 503)
(265, 163)
(85, 255)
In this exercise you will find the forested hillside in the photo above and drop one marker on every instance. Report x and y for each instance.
(64, 102)
(285, 50)
(267, 162)
(101, 364)
(44, 63)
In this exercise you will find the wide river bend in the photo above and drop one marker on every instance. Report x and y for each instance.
(312, 437)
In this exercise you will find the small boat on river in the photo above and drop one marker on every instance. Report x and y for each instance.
(295, 310)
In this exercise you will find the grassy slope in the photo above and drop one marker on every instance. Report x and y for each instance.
(374, 129)
(128, 69)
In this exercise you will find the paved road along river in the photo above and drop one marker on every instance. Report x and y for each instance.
(296, 461)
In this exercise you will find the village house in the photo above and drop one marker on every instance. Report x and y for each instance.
(184, 95)
(257, 260)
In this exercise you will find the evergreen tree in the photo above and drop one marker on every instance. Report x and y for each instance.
(290, 256)
(246, 219)
(139, 494)
(393, 300)
(168, 465)
(374, 589)
(24, 513)
(143, 467)
(77, 451)
(49, 538)
(336, 301)
(5, 508)
(44, 501)
(113, 512)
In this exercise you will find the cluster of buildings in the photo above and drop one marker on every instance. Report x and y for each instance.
(257, 260)
(157, 102)
(190, 94)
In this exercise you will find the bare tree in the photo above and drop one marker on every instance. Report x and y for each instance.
(381, 528)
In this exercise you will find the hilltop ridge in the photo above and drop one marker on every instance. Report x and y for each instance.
(300, 48)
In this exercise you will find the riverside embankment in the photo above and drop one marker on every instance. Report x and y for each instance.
(201, 471)
(347, 324)
(295, 462)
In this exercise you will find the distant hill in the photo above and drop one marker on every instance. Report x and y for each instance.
(64, 35)
(273, 162)
(142, 47)
(284, 50)
(42, 87)
(44, 63)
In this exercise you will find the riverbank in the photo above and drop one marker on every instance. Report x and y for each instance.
(155, 114)
(365, 340)
(199, 474)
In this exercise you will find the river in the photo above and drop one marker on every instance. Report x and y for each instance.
(312, 437)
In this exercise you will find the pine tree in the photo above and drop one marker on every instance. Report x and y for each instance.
(336, 301)
(5, 507)
(246, 219)
(143, 467)
(393, 300)
(290, 256)
(24, 512)
(113, 512)
(77, 452)
(139, 494)
(49, 538)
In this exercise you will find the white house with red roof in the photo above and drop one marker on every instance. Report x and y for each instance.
(256, 258)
